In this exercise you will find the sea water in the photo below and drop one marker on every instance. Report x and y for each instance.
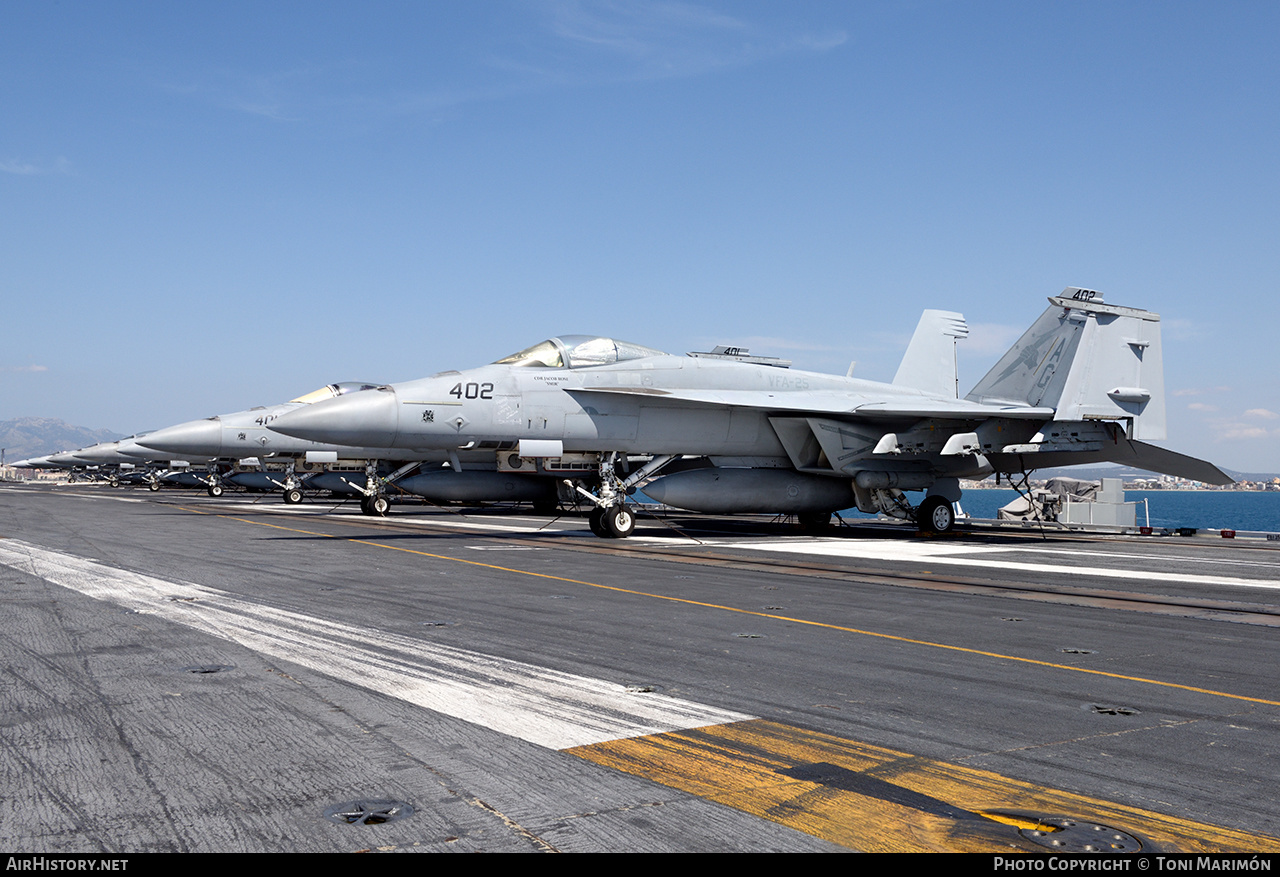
(1202, 509)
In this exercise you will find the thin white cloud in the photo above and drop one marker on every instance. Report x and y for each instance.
(1228, 429)
(276, 96)
(1199, 391)
(1182, 329)
(665, 40)
(762, 344)
(1243, 431)
(24, 368)
(27, 168)
(990, 338)
(568, 44)
(1202, 406)
(634, 28)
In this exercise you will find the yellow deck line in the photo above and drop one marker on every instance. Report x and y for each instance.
(890, 801)
(787, 618)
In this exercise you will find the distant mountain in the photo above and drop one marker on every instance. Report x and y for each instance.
(37, 436)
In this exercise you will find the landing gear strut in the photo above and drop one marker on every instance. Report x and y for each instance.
(374, 499)
(611, 518)
(292, 486)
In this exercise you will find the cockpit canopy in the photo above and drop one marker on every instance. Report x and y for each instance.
(578, 351)
(332, 391)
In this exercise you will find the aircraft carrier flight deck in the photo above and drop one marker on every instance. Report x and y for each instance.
(194, 674)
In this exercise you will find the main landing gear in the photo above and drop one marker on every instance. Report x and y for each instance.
(614, 522)
(935, 515)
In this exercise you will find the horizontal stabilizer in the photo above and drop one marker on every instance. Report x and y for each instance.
(1128, 452)
(1166, 462)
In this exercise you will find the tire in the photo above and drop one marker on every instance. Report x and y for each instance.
(379, 505)
(620, 522)
(293, 496)
(935, 515)
(215, 490)
(814, 522)
(596, 522)
(154, 485)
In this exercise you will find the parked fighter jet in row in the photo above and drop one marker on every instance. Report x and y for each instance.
(245, 434)
(241, 448)
(109, 461)
(1083, 385)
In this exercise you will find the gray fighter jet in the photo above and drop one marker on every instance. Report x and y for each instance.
(1084, 384)
(114, 462)
(127, 461)
(277, 460)
(241, 448)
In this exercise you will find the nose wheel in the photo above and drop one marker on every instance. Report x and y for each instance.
(378, 505)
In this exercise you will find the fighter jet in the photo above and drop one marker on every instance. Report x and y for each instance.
(241, 448)
(223, 441)
(126, 460)
(1084, 384)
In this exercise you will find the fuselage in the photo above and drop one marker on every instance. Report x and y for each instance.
(650, 404)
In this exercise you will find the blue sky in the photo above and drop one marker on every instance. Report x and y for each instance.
(205, 207)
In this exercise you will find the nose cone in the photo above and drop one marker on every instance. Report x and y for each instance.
(195, 438)
(99, 454)
(369, 419)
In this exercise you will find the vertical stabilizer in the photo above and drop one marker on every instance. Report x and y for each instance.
(1088, 361)
(930, 361)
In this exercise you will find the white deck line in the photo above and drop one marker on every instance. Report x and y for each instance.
(545, 707)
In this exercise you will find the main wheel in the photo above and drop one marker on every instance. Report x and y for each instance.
(215, 490)
(293, 496)
(619, 521)
(814, 522)
(596, 522)
(935, 515)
